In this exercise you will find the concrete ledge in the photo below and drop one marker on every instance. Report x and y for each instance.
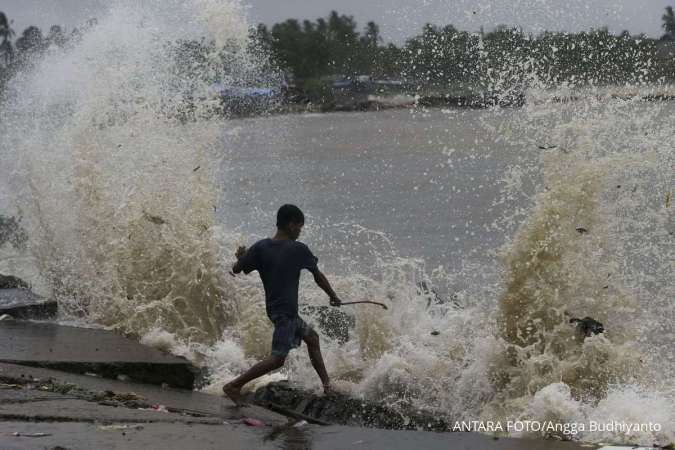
(84, 350)
(96, 389)
(179, 436)
(24, 304)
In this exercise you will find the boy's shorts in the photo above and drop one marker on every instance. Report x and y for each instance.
(288, 334)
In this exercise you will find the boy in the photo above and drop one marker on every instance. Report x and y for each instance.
(279, 261)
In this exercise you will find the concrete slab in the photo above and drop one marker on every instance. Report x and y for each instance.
(162, 436)
(176, 400)
(24, 304)
(44, 409)
(83, 350)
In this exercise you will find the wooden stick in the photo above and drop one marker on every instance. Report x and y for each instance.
(365, 301)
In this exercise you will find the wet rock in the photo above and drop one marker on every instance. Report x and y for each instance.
(24, 304)
(332, 322)
(12, 282)
(341, 409)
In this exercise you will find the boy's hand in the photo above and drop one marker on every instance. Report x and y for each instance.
(335, 301)
(241, 251)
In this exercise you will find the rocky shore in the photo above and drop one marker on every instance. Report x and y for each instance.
(63, 387)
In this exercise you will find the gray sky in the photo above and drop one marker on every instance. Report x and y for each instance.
(398, 19)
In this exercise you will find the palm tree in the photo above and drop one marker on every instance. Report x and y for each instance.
(6, 33)
(669, 22)
(31, 40)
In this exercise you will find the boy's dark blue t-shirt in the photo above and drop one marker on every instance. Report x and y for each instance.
(279, 263)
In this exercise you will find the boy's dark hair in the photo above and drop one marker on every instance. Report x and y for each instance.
(287, 214)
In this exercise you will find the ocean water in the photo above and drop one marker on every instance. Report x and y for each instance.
(133, 214)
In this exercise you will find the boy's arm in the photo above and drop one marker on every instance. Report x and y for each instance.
(237, 267)
(323, 283)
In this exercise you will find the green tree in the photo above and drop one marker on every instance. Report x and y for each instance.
(371, 36)
(56, 36)
(31, 41)
(6, 33)
(669, 22)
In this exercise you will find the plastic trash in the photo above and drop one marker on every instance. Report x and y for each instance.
(302, 423)
(31, 435)
(251, 422)
(120, 427)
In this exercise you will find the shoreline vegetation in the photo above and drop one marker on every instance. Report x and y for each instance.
(329, 65)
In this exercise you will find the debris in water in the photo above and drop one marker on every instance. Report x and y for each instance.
(251, 422)
(154, 219)
(435, 333)
(32, 435)
(588, 326)
(196, 168)
(120, 427)
(581, 230)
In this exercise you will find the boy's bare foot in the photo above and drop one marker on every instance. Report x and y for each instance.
(234, 394)
(328, 389)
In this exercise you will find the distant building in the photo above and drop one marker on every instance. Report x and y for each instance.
(248, 100)
(357, 91)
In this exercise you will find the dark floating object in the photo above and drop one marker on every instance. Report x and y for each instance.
(435, 333)
(547, 147)
(588, 326)
(581, 230)
(434, 298)
(154, 219)
(196, 168)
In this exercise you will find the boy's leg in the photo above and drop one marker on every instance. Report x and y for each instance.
(314, 350)
(282, 342)
(233, 388)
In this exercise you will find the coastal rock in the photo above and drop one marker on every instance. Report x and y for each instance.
(341, 409)
(22, 303)
(12, 282)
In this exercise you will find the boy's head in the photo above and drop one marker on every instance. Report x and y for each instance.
(290, 220)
